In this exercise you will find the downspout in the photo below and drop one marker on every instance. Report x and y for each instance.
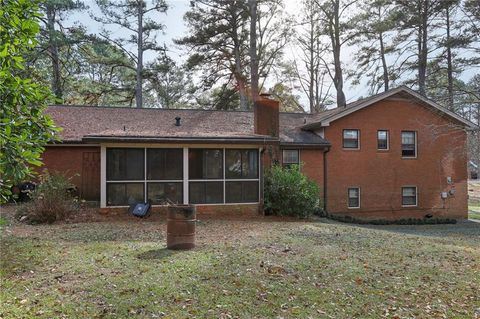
(262, 179)
(325, 179)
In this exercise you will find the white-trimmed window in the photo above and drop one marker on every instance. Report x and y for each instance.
(409, 196)
(383, 140)
(290, 157)
(351, 139)
(354, 197)
(409, 144)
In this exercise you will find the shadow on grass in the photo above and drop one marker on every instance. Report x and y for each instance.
(463, 228)
(20, 255)
(156, 254)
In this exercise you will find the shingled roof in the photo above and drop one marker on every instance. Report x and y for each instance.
(89, 124)
(324, 118)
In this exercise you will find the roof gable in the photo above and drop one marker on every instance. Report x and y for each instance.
(325, 118)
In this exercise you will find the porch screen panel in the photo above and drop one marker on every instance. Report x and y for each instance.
(241, 192)
(205, 163)
(162, 193)
(206, 192)
(125, 164)
(123, 194)
(241, 164)
(164, 164)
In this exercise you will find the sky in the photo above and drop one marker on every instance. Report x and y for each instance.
(175, 28)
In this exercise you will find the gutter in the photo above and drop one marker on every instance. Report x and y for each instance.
(325, 179)
(193, 140)
(304, 146)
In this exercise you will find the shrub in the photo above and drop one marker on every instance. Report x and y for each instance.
(409, 221)
(290, 193)
(51, 200)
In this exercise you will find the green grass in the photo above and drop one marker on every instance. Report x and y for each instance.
(474, 212)
(241, 269)
(3, 222)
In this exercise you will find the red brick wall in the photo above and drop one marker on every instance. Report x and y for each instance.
(381, 174)
(69, 161)
(313, 166)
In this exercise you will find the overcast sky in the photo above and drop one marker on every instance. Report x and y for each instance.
(175, 28)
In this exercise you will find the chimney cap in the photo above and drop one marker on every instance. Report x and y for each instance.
(265, 95)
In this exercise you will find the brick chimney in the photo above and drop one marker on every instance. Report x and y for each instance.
(266, 116)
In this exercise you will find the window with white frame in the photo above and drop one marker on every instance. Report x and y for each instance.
(382, 140)
(354, 197)
(409, 144)
(351, 139)
(290, 157)
(409, 196)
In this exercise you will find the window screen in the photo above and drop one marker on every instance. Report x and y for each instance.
(206, 192)
(205, 164)
(125, 164)
(123, 194)
(164, 164)
(241, 164)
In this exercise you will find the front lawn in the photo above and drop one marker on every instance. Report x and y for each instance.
(263, 268)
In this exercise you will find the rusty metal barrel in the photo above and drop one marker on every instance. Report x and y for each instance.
(181, 221)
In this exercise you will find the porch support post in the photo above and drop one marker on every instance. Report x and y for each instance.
(103, 176)
(185, 175)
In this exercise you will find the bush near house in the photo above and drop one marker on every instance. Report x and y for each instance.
(51, 200)
(288, 192)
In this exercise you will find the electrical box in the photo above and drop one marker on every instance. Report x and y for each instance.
(444, 195)
(449, 180)
(452, 191)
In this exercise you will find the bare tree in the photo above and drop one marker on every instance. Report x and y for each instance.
(335, 24)
(311, 72)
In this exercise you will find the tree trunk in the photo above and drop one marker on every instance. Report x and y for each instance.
(239, 78)
(311, 66)
(386, 79)
(252, 4)
(449, 62)
(423, 35)
(56, 82)
(139, 86)
(338, 77)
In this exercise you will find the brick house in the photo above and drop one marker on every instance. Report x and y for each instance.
(393, 155)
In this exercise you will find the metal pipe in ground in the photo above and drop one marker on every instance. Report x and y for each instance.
(181, 220)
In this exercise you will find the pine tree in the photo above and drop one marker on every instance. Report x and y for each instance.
(139, 21)
(374, 28)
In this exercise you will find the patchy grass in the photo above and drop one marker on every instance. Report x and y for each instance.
(242, 269)
(3, 221)
(474, 212)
